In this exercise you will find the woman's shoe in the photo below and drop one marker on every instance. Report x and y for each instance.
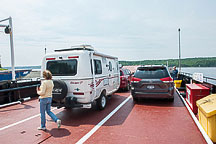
(59, 123)
(41, 128)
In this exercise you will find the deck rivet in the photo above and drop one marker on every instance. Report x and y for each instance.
(37, 134)
(22, 132)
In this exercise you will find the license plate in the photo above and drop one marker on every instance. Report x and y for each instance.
(86, 105)
(150, 87)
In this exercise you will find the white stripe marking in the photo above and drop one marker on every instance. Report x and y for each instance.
(19, 122)
(90, 133)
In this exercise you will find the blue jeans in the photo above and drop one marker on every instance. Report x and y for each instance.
(45, 104)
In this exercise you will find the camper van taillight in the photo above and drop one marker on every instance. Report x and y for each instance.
(70, 57)
(78, 93)
(50, 58)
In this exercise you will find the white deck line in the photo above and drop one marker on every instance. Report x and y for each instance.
(206, 137)
(93, 130)
(24, 120)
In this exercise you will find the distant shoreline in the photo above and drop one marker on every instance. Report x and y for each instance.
(186, 62)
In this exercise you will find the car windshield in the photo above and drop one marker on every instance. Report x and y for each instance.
(62, 67)
(151, 73)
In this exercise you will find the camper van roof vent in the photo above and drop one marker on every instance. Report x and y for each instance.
(79, 47)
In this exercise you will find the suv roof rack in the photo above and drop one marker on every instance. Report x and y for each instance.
(78, 47)
(152, 66)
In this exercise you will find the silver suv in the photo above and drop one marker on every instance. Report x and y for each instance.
(152, 81)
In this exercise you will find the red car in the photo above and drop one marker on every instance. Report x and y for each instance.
(125, 79)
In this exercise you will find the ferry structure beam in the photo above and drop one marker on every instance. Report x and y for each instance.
(12, 46)
(179, 52)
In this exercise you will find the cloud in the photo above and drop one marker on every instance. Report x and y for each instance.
(130, 30)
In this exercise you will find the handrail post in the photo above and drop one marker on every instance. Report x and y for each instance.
(179, 52)
(12, 50)
(11, 45)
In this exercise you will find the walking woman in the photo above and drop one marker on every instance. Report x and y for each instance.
(45, 92)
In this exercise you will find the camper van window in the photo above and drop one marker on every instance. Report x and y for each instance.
(110, 66)
(98, 67)
(62, 67)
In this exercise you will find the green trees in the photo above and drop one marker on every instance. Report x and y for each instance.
(187, 62)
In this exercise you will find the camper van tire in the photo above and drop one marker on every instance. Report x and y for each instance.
(101, 101)
(60, 90)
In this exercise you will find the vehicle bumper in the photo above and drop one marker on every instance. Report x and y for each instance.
(152, 95)
(70, 102)
(123, 84)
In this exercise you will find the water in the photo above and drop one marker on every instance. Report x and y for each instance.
(35, 73)
(207, 72)
(24, 67)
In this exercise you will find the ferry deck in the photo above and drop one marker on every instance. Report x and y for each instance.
(122, 121)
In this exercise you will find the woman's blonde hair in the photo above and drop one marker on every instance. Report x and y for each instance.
(47, 75)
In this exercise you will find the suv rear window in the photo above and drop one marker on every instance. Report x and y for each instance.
(151, 73)
(62, 67)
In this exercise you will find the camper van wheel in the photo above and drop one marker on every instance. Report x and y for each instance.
(101, 102)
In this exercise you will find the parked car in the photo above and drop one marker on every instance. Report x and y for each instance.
(125, 79)
(152, 82)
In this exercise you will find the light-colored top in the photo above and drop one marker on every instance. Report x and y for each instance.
(46, 89)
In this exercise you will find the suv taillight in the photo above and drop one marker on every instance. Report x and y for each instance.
(135, 80)
(167, 79)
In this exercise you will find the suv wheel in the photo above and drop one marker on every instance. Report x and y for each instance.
(135, 99)
(171, 99)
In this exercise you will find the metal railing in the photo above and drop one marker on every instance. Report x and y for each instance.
(11, 90)
(18, 88)
(205, 78)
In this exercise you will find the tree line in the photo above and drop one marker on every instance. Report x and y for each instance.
(186, 62)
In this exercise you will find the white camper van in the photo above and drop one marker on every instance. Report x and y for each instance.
(82, 76)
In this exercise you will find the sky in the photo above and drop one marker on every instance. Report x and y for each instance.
(127, 29)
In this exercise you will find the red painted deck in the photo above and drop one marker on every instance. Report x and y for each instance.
(147, 121)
